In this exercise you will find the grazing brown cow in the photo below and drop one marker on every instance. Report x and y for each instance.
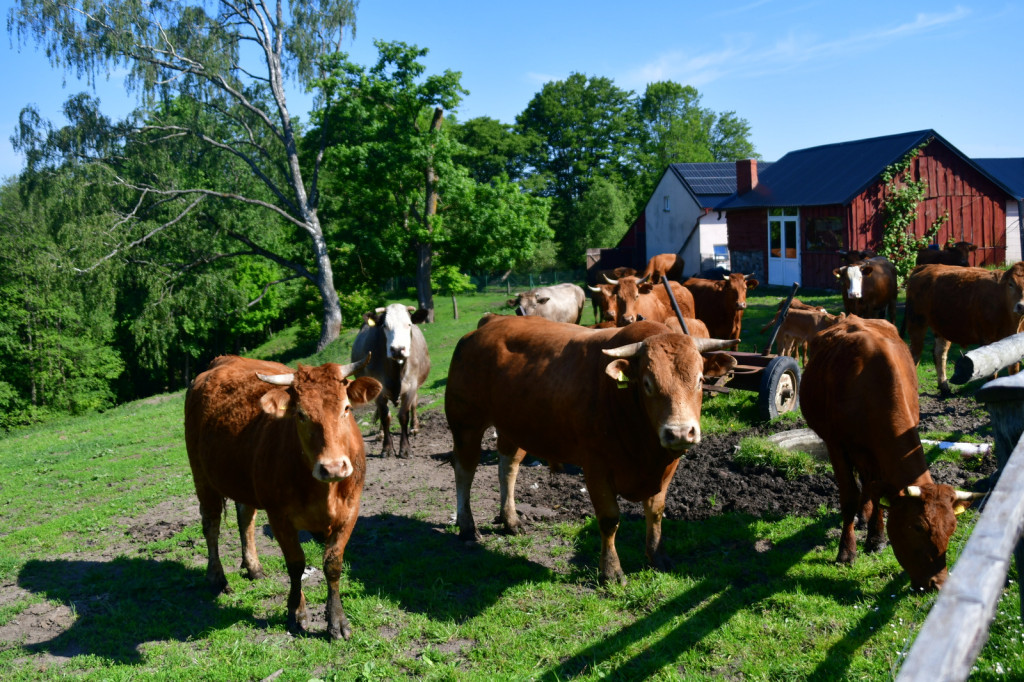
(862, 367)
(869, 288)
(623, 404)
(721, 303)
(283, 440)
(965, 306)
(664, 265)
(637, 299)
(400, 361)
(795, 304)
(799, 327)
(958, 253)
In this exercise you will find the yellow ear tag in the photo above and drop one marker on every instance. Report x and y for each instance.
(622, 380)
(370, 322)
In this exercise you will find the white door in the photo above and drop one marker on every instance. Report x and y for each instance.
(783, 246)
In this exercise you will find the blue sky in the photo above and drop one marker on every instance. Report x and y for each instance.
(801, 73)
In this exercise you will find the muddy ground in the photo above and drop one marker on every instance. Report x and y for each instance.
(707, 473)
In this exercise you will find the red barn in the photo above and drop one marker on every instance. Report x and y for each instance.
(786, 225)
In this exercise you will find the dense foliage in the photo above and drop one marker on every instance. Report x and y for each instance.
(134, 251)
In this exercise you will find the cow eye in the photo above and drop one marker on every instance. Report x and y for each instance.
(648, 385)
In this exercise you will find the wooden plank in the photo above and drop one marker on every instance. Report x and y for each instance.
(957, 626)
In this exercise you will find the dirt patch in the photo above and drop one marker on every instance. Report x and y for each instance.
(708, 481)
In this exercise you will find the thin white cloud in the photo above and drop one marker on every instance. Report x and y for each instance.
(741, 55)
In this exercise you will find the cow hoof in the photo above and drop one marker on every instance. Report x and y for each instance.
(256, 574)
(619, 578)
(471, 537)
(872, 545)
(661, 562)
(342, 631)
(298, 624)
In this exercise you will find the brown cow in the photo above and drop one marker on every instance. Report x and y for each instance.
(958, 253)
(637, 299)
(862, 367)
(400, 361)
(965, 306)
(799, 327)
(795, 304)
(603, 300)
(623, 404)
(721, 303)
(664, 265)
(869, 288)
(283, 440)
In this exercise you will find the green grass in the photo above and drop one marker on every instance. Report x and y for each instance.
(749, 598)
(758, 451)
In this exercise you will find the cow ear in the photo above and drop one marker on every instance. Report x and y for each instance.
(752, 283)
(277, 403)
(543, 300)
(510, 302)
(866, 270)
(837, 272)
(646, 288)
(419, 316)
(616, 369)
(369, 320)
(363, 390)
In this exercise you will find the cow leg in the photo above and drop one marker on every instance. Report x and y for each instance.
(465, 458)
(295, 560)
(654, 511)
(247, 531)
(211, 506)
(384, 417)
(404, 412)
(415, 417)
(509, 457)
(939, 353)
(849, 503)
(606, 508)
(875, 541)
(334, 552)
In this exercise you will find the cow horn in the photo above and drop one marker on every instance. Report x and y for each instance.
(644, 279)
(353, 367)
(627, 351)
(707, 345)
(912, 491)
(609, 279)
(594, 289)
(964, 496)
(379, 310)
(277, 379)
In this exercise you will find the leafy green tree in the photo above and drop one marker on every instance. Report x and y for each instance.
(491, 148)
(598, 220)
(231, 67)
(55, 327)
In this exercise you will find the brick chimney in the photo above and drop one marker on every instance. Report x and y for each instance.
(746, 175)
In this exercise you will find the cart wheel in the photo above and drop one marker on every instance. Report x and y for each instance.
(780, 387)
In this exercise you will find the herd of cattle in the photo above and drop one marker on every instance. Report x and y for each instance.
(620, 399)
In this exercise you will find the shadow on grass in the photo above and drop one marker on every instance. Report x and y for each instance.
(124, 603)
(731, 577)
(427, 569)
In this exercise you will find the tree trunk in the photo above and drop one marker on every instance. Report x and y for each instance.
(425, 252)
(330, 326)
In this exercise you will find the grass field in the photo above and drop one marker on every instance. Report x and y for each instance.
(82, 500)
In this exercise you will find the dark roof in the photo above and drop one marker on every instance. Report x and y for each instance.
(1010, 172)
(710, 182)
(833, 173)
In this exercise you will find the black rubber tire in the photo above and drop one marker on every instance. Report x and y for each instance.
(780, 388)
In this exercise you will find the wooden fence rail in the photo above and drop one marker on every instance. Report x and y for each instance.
(957, 627)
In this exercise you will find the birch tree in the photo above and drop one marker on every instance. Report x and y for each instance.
(232, 60)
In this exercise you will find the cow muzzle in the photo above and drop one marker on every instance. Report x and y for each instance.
(333, 470)
(679, 437)
(398, 353)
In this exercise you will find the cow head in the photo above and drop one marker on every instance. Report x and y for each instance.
(963, 251)
(528, 303)
(853, 276)
(605, 300)
(626, 295)
(1012, 282)
(668, 369)
(921, 521)
(737, 285)
(320, 401)
(396, 320)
